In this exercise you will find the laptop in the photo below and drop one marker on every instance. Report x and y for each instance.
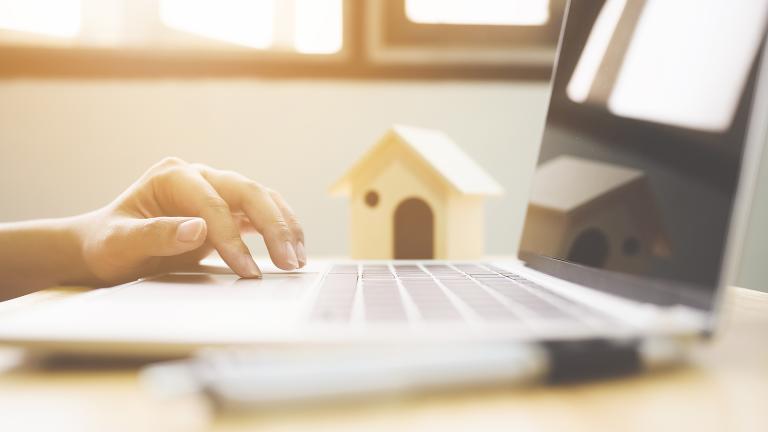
(635, 219)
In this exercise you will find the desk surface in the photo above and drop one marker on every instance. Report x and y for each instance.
(724, 389)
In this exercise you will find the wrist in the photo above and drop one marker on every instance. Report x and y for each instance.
(42, 253)
(70, 236)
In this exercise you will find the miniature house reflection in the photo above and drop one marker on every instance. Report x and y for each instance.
(609, 219)
(416, 195)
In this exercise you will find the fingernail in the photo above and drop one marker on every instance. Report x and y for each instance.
(190, 230)
(290, 255)
(301, 254)
(251, 269)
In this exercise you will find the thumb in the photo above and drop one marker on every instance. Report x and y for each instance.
(164, 236)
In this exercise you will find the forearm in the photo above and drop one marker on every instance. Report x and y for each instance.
(39, 254)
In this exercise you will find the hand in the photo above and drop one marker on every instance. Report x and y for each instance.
(176, 214)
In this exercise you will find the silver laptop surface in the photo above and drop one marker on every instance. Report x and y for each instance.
(633, 226)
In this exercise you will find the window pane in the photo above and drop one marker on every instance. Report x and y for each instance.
(243, 22)
(479, 12)
(60, 18)
(318, 26)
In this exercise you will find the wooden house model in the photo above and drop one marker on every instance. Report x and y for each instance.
(416, 195)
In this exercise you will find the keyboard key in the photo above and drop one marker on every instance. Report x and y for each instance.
(430, 300)
(497, 269)
(344, 269)
(382, 301)
(531, 302)
(472, 269)
(335, 298)
(481, 302)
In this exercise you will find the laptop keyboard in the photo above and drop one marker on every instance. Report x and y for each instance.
(439, 293)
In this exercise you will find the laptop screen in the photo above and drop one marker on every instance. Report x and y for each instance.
(642, 148)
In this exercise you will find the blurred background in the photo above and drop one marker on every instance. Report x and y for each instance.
(288, 92)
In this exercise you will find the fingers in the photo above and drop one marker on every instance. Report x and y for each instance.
(184, 188)
(230, 204)
(276, 223)
(270, 222)
(293, 225)
(161, 236)
(244, 223)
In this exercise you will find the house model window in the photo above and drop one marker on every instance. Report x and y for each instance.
(372, 198)
(416, 195)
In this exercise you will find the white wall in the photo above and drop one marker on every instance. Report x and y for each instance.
(68, 146)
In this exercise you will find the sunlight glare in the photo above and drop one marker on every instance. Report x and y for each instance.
(242, 22)
(59, 18)
(318, 26)
(688, 62)
(595, 50)
(478, 12)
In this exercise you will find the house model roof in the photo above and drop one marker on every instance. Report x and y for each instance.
(567, 182)
(440, 153)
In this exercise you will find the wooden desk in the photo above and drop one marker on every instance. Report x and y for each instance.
(724, 389)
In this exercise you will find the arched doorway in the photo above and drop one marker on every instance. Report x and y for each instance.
(414, 230)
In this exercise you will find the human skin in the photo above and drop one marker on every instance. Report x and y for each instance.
(168, 220)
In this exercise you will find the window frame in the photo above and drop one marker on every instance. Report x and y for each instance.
(367, 53)
(394, 39)
(400, 30)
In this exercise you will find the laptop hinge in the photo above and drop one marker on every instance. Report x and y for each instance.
(571, 361)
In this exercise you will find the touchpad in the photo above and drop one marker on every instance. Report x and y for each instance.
(179, 307)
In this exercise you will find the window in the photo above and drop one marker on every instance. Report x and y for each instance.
(239, 22)
(328, 38)
(512, 33)
(304, 26)
(478, 12)
(42, 17)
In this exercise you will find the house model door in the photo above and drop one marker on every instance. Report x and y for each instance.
(414, 230)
